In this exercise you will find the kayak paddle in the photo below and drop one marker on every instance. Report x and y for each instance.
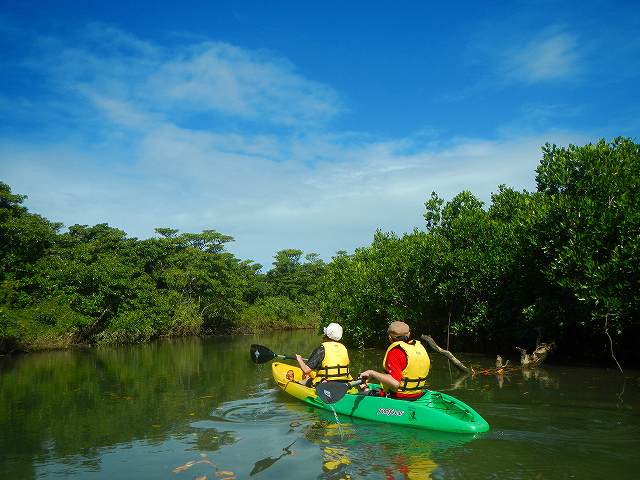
(332, 392)
(261, 354)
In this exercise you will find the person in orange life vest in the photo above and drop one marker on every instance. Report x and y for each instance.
(406, 365)
(329, 361)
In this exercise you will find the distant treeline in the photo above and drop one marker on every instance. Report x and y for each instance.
(95, 285)
(560, 264)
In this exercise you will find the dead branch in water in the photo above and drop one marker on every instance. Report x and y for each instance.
(459, 365)
(527, 361)
(501, 368)
(537, 357)
(499, 364)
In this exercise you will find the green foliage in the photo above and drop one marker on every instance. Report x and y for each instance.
(292, 278)
(48, 323)
(93, 284)
(433, 213)
(560, 263)
(278, 313)
(556, 263)
(594, 193)
(23, 236)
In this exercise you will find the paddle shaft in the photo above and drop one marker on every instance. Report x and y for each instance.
(262, 354)
(286, 357)
(356, 382)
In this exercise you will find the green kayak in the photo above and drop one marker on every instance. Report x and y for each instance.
(433, 411)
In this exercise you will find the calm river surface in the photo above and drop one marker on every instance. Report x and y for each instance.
(196, 408)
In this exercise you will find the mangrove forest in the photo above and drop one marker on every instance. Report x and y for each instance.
(560, 264)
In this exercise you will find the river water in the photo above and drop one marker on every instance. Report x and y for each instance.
(198, 408)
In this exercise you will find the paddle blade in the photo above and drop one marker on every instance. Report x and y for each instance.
(332, 392)
(260, 354)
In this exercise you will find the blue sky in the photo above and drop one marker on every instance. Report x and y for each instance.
(298, 124)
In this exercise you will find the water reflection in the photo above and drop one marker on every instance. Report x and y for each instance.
(265, 463)
(212, 440)
(70, 406)
(357, 448)
(542, 376)
(200, 408)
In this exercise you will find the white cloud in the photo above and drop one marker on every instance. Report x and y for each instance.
(115, 71)
(137, 167)
(122, 113)
(188, 181)
(506, 57)
(225, 78)
(552, 55)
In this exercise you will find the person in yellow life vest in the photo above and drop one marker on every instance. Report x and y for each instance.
(329, 361)
(406, 365)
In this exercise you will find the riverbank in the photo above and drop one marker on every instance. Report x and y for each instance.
(28, 333)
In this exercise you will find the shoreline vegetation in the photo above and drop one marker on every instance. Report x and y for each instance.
(561, 264)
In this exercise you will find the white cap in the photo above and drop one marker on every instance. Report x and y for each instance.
(333, 331)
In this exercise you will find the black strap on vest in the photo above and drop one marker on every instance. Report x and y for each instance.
(330, 372)
(420, 384)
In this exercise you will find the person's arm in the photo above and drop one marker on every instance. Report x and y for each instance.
(313, 363)
(390, 380)
(303, 366)
(384, 379)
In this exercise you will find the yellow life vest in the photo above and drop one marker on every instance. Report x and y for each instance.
(414, 376)
(335, 364)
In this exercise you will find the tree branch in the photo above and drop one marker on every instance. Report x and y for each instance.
(606, 330)
(448, 354)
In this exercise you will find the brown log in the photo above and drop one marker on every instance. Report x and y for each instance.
(459, 365)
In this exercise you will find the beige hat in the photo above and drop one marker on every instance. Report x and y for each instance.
(399, 329)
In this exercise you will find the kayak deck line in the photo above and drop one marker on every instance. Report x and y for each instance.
(434, 410)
